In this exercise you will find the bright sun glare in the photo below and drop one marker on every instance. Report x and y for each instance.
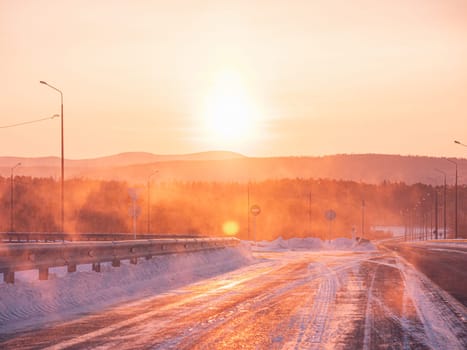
(230, 228)
(230, 113)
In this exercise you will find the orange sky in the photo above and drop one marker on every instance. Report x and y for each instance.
(264, 78)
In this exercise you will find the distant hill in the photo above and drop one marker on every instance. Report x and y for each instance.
(234, 167)
(50, 166)
(121, 159)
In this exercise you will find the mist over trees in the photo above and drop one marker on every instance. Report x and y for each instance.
(229, 167)
(289, 207)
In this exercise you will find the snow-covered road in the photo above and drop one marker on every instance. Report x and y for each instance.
(284, 299)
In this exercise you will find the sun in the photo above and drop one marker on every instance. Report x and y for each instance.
(230, 228)
(230, 114)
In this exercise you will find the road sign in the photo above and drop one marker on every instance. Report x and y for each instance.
(133, 193)
(255, 210)
(330, 214)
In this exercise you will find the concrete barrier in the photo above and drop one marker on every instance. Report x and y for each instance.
(41, 256)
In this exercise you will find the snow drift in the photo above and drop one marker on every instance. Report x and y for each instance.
(313, 244)
(30, 301)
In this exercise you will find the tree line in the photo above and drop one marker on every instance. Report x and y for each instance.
(289, 207)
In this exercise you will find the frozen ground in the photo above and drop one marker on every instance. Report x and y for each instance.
(29, 301)
(286, 294)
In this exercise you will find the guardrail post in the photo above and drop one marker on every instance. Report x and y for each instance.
(43, 273)
(96, 267)
(115, 262)
(133, 261)
(71, 267)
(9, 276)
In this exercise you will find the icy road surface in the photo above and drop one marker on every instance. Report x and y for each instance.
(286, 300)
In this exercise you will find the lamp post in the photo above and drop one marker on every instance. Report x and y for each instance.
(460, 143)
(444, 201)
(422, 219)
(456, 202)
(363, 218)
(12, 216)
(248, 208)
(149, 198)
(416, 221)
(62, 193)
(309, 211)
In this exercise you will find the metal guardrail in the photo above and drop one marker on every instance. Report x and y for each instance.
(61, 237)
(42, 256)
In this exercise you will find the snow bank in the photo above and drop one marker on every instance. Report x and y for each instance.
(306, 243)
(314, 244)
(446, 243)
(31, 302)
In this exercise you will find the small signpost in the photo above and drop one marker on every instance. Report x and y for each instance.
(255, 210)
(330, 216)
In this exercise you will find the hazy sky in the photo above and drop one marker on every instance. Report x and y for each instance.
(264, 78)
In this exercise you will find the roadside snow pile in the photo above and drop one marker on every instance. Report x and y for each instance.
(343, 244)
(306, 243)
(30, 301)
(278, 244)
(350, 244)
(313, 244)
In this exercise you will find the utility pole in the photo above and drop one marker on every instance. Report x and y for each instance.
(436, 213)
(309, 211)
(456, 227)
(149, 199)
(363, 218)
(62, 159)
(12, 205)
(248, 208)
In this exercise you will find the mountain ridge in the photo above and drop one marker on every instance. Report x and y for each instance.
(136, 167)
(119, 159)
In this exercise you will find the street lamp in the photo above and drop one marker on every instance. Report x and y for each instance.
(460, 143)
(248, 208)
(422, 218)
(149, 198)
(12, 216)
(415, 222)
(309, 211)
(444, 201)
(456, 226)
(62, 193)
(363, 218)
